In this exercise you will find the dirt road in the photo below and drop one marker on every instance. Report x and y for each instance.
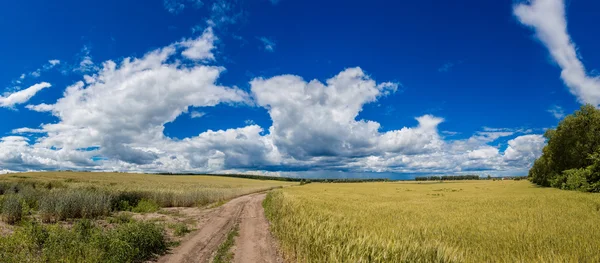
(254, 243)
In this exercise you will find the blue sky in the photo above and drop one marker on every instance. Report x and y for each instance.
(301, 88)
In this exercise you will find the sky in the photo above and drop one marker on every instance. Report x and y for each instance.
(392, 89)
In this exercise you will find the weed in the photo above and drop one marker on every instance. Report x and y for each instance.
(224, 254)
(179, 229)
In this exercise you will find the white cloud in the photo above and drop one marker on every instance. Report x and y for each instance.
(197, 114)
(27, 130)
(86, 64)
(311, 118)
(201, 47)
(269, 44)
(524, 149)
(557, 111)
(548, 19)
(22, 96)
(40, 107)
(54, 62)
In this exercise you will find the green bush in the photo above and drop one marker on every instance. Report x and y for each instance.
(146, 239)
(85, 242)
(12, 209)
(145, 206)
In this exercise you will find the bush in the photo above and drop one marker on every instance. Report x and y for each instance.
(85, 242)
(147, 239)
(12, 209)
(145, 206)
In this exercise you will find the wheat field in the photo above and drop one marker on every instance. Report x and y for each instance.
(470, 221)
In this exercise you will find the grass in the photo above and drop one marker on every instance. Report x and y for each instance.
(179, 229)
(224, 253)
(472, 221)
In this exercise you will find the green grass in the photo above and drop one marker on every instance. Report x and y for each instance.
(179, 229)
(472, 221)
(224, 253)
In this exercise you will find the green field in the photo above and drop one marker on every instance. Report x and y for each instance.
(470, 221)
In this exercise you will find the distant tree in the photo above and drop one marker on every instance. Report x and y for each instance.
(571, 160)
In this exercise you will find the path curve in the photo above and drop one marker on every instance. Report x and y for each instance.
(254, 243)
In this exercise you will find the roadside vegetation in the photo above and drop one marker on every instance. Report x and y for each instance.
(89, 217)
(571, 160)
(466, 221)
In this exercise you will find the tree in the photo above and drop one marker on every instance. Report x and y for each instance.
(571, 159)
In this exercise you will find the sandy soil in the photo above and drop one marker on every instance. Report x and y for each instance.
(254, 243)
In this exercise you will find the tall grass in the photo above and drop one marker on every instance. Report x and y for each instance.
(74, 203)
(486, 221)
(12, 209)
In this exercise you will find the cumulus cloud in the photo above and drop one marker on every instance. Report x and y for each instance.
(548, 19)
(312, 118)
(524, 149)
(22, 96)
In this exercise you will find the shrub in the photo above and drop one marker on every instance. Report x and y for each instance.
(147, 239)
(120, 218)
(145, 206)
(12, 209)
(85, 242)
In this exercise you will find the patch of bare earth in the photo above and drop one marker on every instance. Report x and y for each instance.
(254, 243)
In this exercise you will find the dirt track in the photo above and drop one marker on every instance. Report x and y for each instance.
(254, 243)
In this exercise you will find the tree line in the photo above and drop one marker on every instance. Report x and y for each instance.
(290, 179)
(447, 177)
(571, 159)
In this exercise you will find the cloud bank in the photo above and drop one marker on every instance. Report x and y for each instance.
(114, 119)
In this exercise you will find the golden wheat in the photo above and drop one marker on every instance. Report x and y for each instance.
(472, 221)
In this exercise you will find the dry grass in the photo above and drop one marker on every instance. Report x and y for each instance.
(473, 221)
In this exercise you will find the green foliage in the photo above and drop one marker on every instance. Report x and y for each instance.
(571, 158)
(84, 242)
(12, 209)
(145, 206)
